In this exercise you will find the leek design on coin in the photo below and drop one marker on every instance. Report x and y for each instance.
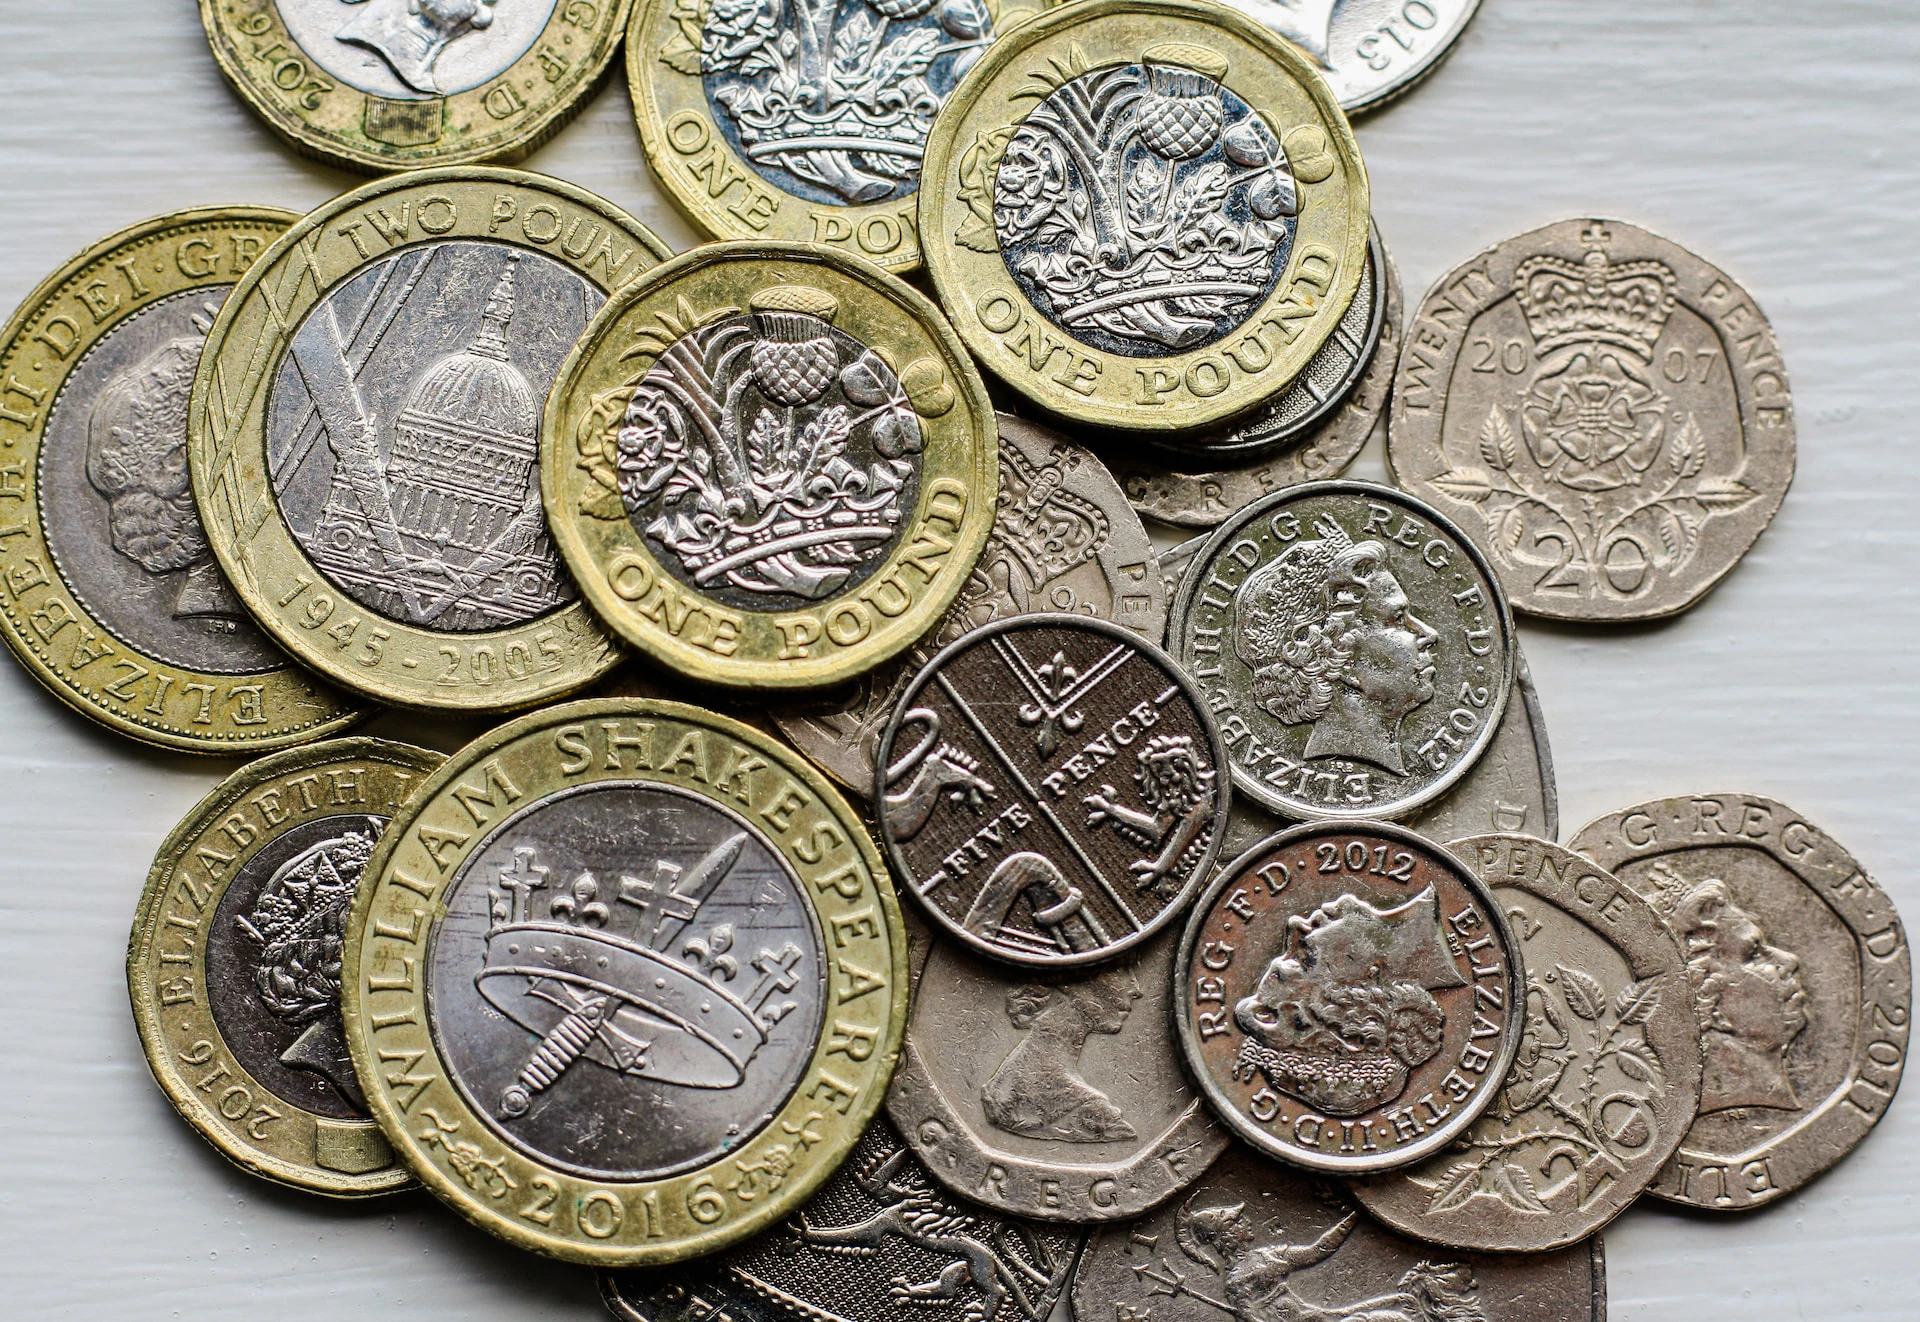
(365, 432)
(114, 600)
(1050, 790)
(1145, 216)
(657, 995)
(379, 85)
(1605, 410)
(1369, 51)
(1802, 985)
(1348, 997)
(234, 962)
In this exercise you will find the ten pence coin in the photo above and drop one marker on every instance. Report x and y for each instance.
(234, 962)
(607, 913)
(1802, 983)
(1370, 51)
(365, 426)
(1604, 1084)
(113, 598)
(1605, 411)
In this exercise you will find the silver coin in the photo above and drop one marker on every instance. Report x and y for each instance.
(879, 1242)
(1257, 1243)
(1604, 1084)
(409, 51)
(1064, 539)
(1802, 981)
(1175, 561)
(1369, 51)
(1355, 646)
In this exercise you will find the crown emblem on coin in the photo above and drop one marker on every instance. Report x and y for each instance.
(1595, 300)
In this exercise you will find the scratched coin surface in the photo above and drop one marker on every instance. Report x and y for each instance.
(1369, 51)
(1256, 1243)
(234, 962)
(113, 600)
(1603, 1086)
(1802, 983)
(881, 1241)
(380, 85)
(1050, 788)
(1063, 539)
(1348, 996)
(365, 428)
(1144, 215)
(1605, 411)
(1356, 645)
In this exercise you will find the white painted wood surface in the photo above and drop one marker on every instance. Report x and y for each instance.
(1776, 139)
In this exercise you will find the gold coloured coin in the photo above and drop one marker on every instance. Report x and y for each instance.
(769, 465)
(364, 434)
(109, 593)
(234, 962)
(379, 85)
(628, 982)
(1144, 215)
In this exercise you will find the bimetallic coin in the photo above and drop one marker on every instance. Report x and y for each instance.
(113, 600)
(1604, 1084)
(1144, 215)
(365, 426)
(1369, 51)
(1355, 645)
(1254, 1242)
(234, 962)
(1049, 788)
(1063, 539)
(770, 465)
(1607, 412)
(1802, 981)
(380, 85)
(1348, 996)
(627, 983)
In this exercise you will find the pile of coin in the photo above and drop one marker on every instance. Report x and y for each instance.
(1238, 940)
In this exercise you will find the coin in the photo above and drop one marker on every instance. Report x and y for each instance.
(1346, 997)
(1369, 51)
(1356, 644)
(1605, 410)
(1058, 1098)
(1144, 215)
(1174, 563)
(1063, 539)
(1049, 789)
(234, 962)
(768, 465)
(364, 431)
(1802, 981)
(382, 85)
(627, 983)
(1605, 1081)
(1311, 432)
(112, 598)
(880, 1241)
(1231, 1248)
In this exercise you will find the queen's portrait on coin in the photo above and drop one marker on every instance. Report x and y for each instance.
(1037, 1091)
(411, 34)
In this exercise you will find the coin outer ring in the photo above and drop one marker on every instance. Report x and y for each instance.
(384, 659)
(497, 121)
(90, 668)
(713, 643)
(1115, 32)
(387, 1014)
(1828, 1131)
(1245, 782)
(1464, 1114)
(161, 985)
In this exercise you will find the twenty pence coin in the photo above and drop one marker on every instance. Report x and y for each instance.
(112, 597)
(1605, 411)
(1605, 1081)
(398, 85)
(770, 465)
(1802, 981)
(364, 434)
(234, 962)
(1304, 946)
(1370, 51)
(603, 913)
(1202, 157)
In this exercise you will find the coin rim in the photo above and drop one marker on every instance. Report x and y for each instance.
(1392, 91)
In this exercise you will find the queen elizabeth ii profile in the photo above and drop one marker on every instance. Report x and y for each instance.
(411, 34)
